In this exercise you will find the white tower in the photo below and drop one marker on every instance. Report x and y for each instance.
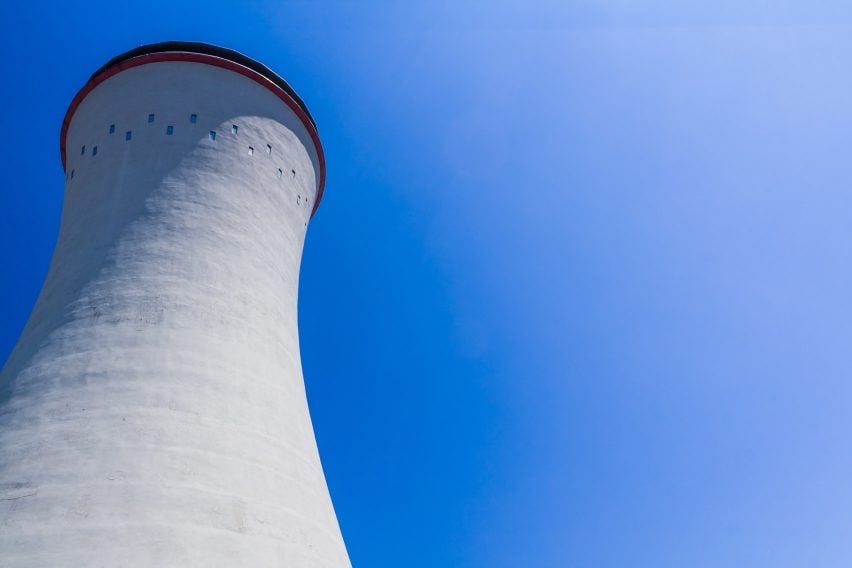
(153, 411)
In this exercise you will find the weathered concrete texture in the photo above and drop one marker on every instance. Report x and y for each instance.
(153, 412)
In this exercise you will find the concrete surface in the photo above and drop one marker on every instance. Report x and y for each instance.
(153, 412)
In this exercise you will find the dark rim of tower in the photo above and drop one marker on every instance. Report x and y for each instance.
(208, 49)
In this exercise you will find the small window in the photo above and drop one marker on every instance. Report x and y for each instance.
(128, 135)
(280, 173)
(83, 150)
(112, 129)
(72, 174)
(193, 118)
(251, 151)
(293, 172)
(268, 149)
(234, 128)
(212, 134)
(299, 200)
(94, 151)
(150, 118)
(170, 130)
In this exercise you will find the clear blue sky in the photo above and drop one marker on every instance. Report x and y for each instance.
(579, 293)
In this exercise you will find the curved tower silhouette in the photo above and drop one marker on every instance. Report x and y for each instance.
(153, 411)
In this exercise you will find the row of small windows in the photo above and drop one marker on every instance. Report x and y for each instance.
(170, 130)
(193, 119)
(250, 148)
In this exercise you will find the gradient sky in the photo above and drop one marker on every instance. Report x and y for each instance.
(579, 293)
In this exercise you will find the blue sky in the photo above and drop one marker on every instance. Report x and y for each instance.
(578, 293)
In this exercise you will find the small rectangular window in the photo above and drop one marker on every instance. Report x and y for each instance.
(251, 151)
(268, 149)
(83, 150)
(128, 135)
(193, 118)
(111, 128)
(94, 151)
(293, 172)
(234, 128)
(170, 130)
(280, 173)
(150, 118)
(212, 135)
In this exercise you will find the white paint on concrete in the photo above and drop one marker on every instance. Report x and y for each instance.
(153, 412)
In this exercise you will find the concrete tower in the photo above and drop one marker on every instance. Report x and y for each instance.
(153, 412)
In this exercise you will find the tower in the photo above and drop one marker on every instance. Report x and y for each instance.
(153, 411)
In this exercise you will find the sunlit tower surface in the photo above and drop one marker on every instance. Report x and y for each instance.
(153, 411)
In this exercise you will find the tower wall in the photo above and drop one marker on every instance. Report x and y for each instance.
(153, 412)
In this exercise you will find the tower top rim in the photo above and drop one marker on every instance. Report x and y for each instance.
(208, 49)
(205, 53)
